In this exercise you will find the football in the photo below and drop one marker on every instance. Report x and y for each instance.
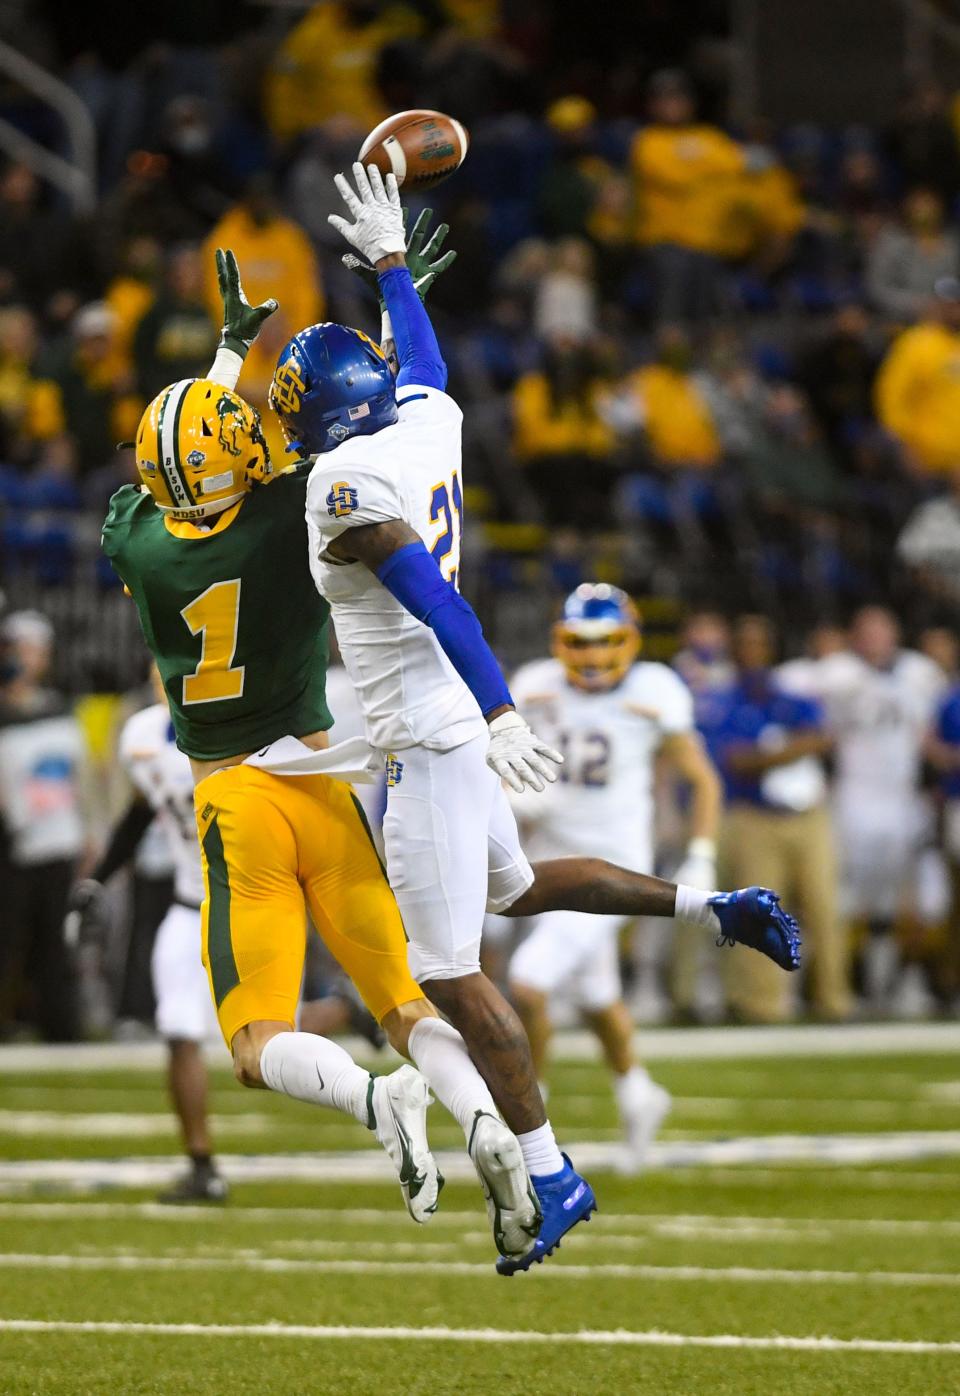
(420, 147)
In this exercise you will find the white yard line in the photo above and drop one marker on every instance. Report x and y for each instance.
(73, 1124)
(618, 1337)
(656, 1044)
(370, 1166)
(692, 1225)
(248, 1260)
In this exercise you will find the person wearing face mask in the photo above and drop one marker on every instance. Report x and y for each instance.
(908, 257)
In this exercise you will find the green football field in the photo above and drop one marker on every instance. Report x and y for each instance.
(799, 1233)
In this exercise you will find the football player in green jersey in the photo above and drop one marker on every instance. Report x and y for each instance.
(212, 546)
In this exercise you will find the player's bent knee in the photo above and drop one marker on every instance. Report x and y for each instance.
(246, 1047)
(398, 1023)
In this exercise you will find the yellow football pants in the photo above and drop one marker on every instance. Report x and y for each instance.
(269, 843)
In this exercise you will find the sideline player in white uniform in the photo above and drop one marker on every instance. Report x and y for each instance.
(879, 701)
(185, 1016)
(384, 506)
(612, 718)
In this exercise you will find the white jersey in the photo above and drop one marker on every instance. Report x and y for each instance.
(877, 716)
(603, 802)
(408, 690)
(162, 775)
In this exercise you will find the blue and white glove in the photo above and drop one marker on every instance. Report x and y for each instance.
(519, 757)
(377, 229)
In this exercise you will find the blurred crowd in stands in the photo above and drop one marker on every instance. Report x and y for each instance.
(719, 367)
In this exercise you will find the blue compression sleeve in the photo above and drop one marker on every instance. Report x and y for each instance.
(413, 577)
(418, 352)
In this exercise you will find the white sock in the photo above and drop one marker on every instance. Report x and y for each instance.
(540, 1152)
(441, 1055)
(631, 1091)
(316, 1070)
(694, 905)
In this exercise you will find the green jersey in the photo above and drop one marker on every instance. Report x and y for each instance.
(230, 614)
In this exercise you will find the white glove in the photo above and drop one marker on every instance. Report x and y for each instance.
(377, 228)
(699, 866)
(518, 756)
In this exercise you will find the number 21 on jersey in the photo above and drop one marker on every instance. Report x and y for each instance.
(446, 508)
(215, 615)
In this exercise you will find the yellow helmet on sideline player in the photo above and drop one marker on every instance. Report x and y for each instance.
(200, 448)
(598, 636)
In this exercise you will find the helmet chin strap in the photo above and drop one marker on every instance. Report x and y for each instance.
(202, 511)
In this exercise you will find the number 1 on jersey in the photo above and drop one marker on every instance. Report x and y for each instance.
(448, 504)
(215, 614)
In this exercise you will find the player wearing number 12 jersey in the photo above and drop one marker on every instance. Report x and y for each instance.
(613, 718)
(384, 502)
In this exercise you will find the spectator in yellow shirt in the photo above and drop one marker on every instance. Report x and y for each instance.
(276, 259)
(918, 386)
(560, 436)
(327, 66)
(677, 419)
(685, 175)
(132, 292)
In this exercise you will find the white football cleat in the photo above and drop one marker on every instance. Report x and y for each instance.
(642, 1124)
(511, 1201)
(398, 1108)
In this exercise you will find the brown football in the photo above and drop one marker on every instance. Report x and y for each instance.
(420, 147)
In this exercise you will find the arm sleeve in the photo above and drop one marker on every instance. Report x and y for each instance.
(418, 352)
(412, 576)
(126, 835)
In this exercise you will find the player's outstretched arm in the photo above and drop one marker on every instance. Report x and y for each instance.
(241, 322)
(378, 234)
(397, 557)
(425, 260)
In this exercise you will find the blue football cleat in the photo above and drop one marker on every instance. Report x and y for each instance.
(565, 1199)
(753, 916)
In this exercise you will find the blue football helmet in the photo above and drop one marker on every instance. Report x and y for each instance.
(331, 382)
(597, 637)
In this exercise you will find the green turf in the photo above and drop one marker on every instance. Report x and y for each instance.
(282, 1252)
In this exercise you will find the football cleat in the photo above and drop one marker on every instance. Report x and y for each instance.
(397, 1110)
(753, 916)
(202, 1184)
(507, 1189)
(565, 1199)
(641, 1127)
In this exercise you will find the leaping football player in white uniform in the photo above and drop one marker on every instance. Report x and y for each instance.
(385, 512)
(612, 718)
